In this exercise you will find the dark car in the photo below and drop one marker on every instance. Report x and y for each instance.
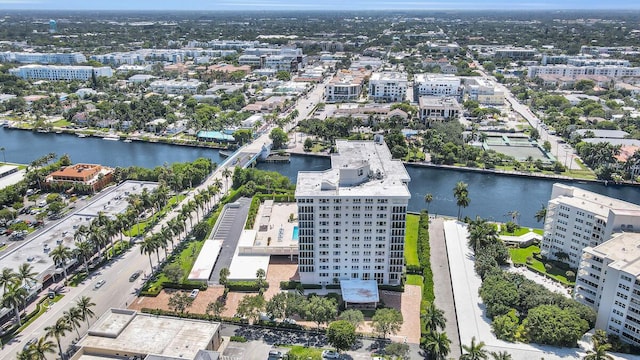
(135, 275)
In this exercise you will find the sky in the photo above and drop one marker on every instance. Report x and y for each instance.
(279, 5)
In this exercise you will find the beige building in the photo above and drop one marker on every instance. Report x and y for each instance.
(125, 334)
(437, 109)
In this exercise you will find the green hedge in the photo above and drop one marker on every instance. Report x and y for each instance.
(424, 255)
(332, 286)
(244, 286)
(414, 269)
(253, 212)
(236, 338)
(396, 288)
(289, 285)
(185, 286)
(311, 286)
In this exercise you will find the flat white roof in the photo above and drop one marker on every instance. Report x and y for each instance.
(388, 177)
(206, 260)
(130, 332)
(244, 267)
(359, 291)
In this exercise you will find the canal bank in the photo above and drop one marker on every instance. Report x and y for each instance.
(493, 196)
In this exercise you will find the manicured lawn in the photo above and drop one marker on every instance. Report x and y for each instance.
(520, 231)
(139, 228)
(414, 280)
(302, 352)
(520, 255)
(186, 258)
(61, 123)
(411, 240)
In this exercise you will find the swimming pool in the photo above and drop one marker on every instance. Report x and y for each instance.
(295, 233)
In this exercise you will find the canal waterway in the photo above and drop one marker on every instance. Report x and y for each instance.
(25, 146)
(492, 196)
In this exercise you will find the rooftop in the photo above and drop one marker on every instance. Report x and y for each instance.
(129, 332)
(359, 291)
(388, 76)
(359, 168)
(590, 201)
(623, 250)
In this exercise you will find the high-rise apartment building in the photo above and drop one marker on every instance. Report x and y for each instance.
(577, 219)
(352, 217)
(608, 280)
(436, 85)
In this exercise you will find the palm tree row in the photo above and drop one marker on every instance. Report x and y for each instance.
(71, 319)
(15, 285)
(201, 204)
(436, 344)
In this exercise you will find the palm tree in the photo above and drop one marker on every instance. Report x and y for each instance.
(433, 318)
(461, 193)
(474, 351)
(40, 349)
(84, 304)
(481, 233)
(84, 251)
(437, 345)
(60, 255)
(226, 173)
(73, 316)
(600, 348)
(57, 331)
(13, 297)
(541, 214)
(502, 355)
(217, 184)
(26, 275)
(4, 158)
(148, 246)
(428, 199)
(514, 214)
(7, 277)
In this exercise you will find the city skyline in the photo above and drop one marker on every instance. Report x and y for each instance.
(231, 5)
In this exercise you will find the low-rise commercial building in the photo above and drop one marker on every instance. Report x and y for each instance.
(436, 85)
(572, 71)
(91, 176)
(388, 86)
(128, 334)
(345, 86)
(484, 91)
(55, 72)
(437, 109)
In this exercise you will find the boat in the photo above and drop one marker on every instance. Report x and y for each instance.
(112, 137)
(59, 132)
(43, 130)
(82, 135)
(127, 140)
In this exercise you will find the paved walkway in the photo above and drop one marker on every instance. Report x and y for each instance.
(470, 309)
(442, 283)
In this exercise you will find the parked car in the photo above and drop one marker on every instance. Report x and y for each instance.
(289, 321)
(100, 283)
(275, 355)
(330, 354)
(30, 342)
(194, 293)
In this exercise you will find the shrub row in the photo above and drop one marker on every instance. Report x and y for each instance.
(253, 212)
(244, 285)
(424, 256)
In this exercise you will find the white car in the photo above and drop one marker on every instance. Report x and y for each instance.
(330, 354)
(100, 283)
(194, 293)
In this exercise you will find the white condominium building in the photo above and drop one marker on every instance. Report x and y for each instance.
(388, 86)
(609, 281)
(570, 71)
(352, 217)
(577, 219)
(345, 86)
(484, 91)
(175, 86)
(42, 58)
(53, 72)
(436, 85)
